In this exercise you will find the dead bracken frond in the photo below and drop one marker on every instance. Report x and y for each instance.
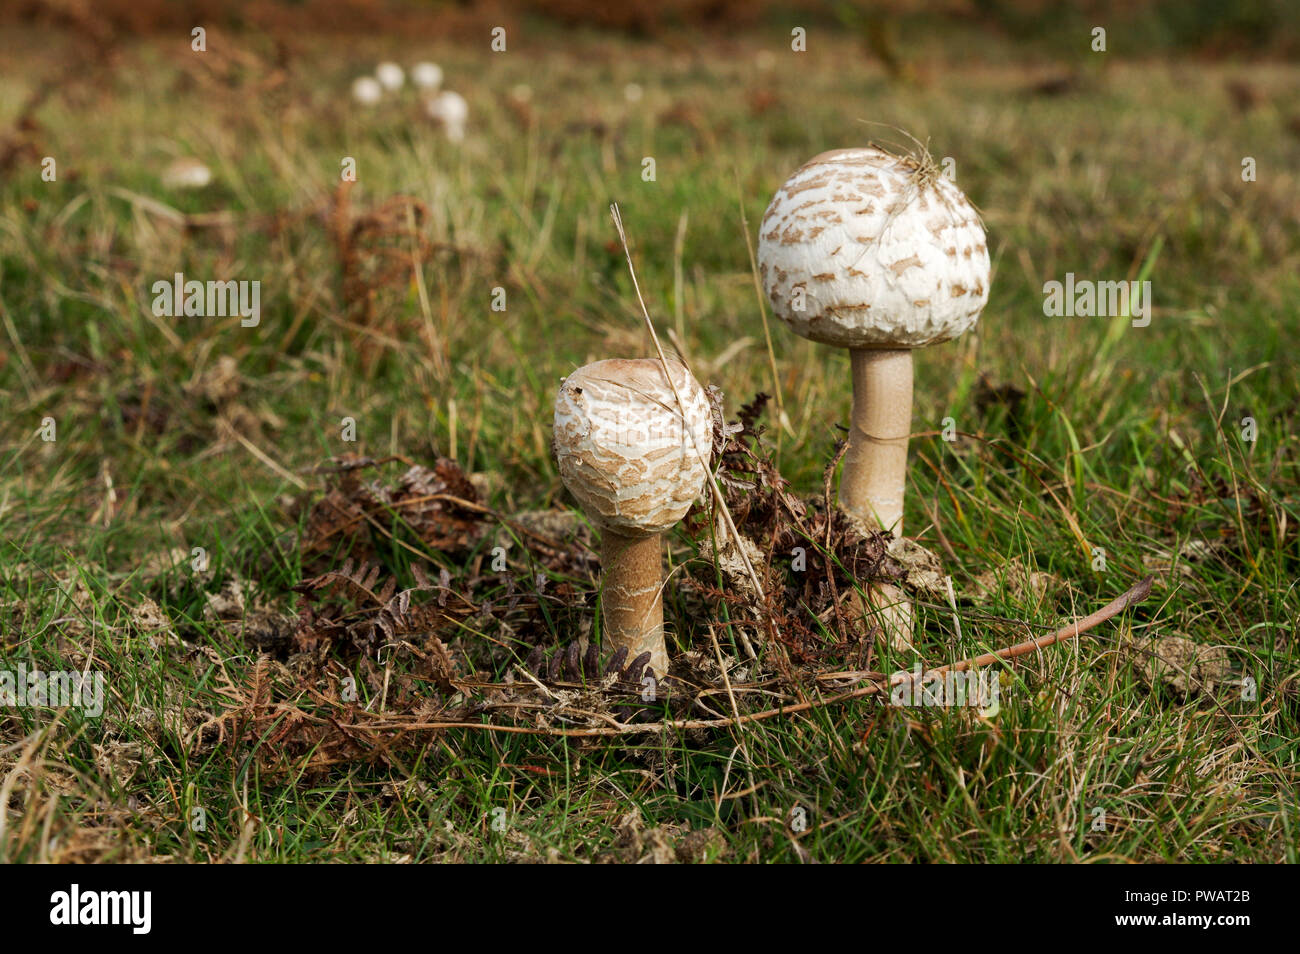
(376, 249)
(510, 649)
(812, 555)
(313, 727)
(439, 507)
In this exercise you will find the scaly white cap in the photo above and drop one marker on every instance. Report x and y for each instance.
(864, 249)
(632, 457)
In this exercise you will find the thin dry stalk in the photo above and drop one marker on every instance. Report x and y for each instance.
(713, 481)
(1135, 594)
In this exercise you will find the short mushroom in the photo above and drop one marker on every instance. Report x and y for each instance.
(426, 75)
(451, 110)
(635, 459)
(879, 254)
(390, 76)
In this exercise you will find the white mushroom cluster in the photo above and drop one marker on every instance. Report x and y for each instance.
(446, 108)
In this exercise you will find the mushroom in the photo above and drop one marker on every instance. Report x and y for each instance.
(451, 110)
(635, 458)
(186, 173)
(426, 75)
(879, 254)
(366, 90)
(390, 76)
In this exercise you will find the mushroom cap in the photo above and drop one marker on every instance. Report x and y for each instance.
(427, 75)
(880, 251)
(367, 90)
(186, 173)
(450, 110)
(448, 107)
(390, 75)
(634, 460)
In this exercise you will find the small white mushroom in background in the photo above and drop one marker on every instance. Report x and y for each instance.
(879, 254)
(367, 91)
(426, 75)
(186, 173)
(633, 92)
(636, 461)
(390, 76)
(451, 111)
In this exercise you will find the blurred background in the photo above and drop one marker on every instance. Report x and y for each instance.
(1204, 27)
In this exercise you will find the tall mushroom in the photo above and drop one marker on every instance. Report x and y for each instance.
(879, 254)
(635, 459)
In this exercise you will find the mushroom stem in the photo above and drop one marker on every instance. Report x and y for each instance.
(632, 598)
(875, 466)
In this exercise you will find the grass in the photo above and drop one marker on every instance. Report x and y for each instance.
(1126, 439)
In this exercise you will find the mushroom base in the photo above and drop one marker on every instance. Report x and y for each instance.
(875, 465)
(632, 597)
(888, 610)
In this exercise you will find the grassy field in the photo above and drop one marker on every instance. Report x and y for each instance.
(1074, 435)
